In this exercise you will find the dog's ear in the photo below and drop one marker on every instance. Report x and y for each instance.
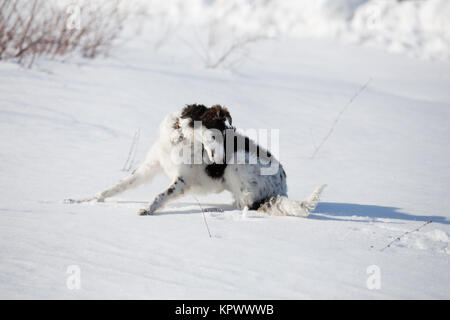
(229, 120)
(193, 112)
(224, 115)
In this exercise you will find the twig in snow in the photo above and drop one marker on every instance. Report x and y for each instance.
(237, 44)
(214, 210)
(133, 159)
(339, 116)
(132, 153)
(399, 238)
(206, 52)
(204, 217)
(312, 138)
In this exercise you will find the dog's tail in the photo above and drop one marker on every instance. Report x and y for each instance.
(282, 206)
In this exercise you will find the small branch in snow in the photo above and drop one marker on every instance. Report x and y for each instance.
(236, 45)
(204, 217)
(407, 232)
(222, 53)
(132, 153)
(312, 138)
(339, 116)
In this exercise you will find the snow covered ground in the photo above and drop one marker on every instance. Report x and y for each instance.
(66, 130)
(418, 28)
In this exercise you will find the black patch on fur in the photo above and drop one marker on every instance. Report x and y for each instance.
(194, 112)
(267, 203)
(216, 170)
(257, 204)
(246, 147)
(172, 187)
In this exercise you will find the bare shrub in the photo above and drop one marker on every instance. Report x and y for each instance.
(237, 45)
(222, 45)
(226, 51)
(33, 28)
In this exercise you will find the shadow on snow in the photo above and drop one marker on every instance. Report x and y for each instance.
(324, 211)
(335, 210)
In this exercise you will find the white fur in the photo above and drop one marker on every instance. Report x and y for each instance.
(244, 181)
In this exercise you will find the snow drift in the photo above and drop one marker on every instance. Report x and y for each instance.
(416, 28)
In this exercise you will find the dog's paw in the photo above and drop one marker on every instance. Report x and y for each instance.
(144, 212)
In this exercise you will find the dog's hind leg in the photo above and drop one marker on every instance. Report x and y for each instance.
(282, 206)
(175, 190)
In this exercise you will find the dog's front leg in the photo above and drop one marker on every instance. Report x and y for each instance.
(145, 173)
(175, 190)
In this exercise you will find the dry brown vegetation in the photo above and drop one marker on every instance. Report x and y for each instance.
(33, 28)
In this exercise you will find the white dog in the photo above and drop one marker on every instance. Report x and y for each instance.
(235, 164)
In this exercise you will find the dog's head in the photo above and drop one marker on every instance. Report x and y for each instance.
(215, 121)
(215, 117)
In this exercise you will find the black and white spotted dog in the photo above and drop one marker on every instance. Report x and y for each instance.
(223, 160)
